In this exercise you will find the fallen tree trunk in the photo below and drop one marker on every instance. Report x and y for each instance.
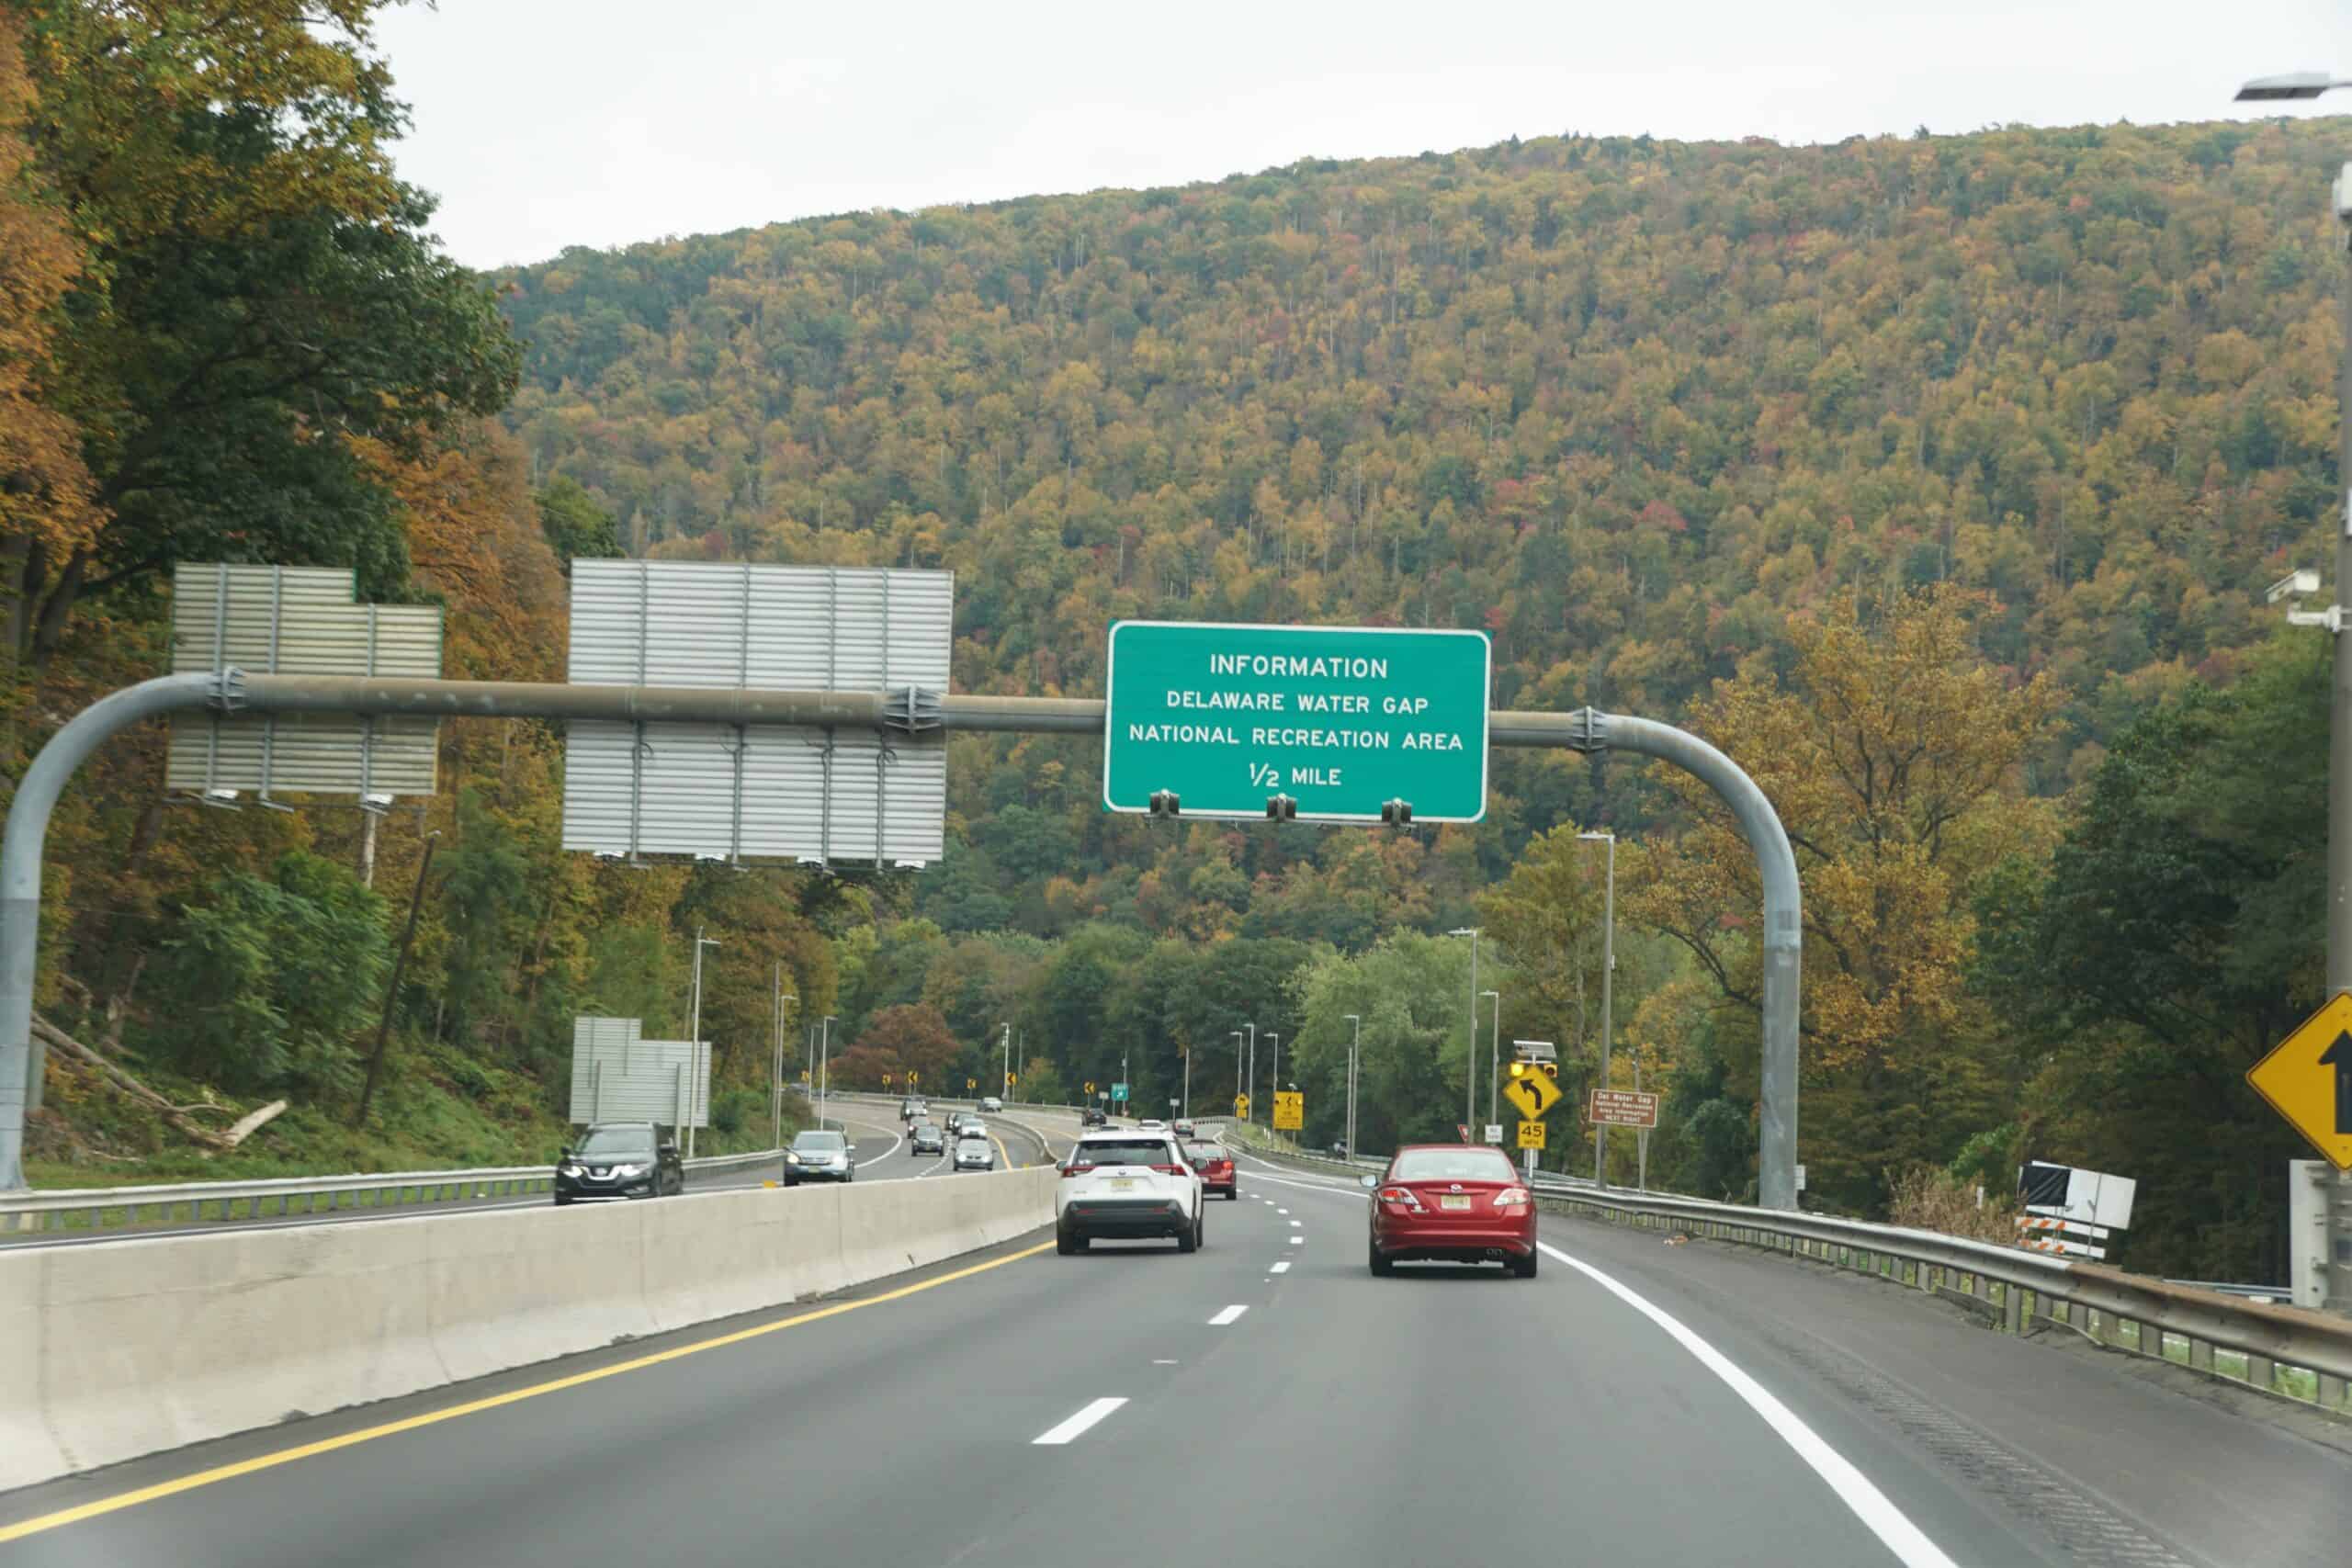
(195, 1131)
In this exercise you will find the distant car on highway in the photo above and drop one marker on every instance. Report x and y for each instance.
(955, 1120)
(973, 1150)
(912, 1109)
(1216, 1165)
(927, 1139)
(1133, 1183)
(616, 1160)
(1184, 1128)
(1151, 1124)
(992, 1103)
(1092, 1116)
(818, 1157)
(1451, 1202)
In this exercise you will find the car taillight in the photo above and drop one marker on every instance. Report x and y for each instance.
(1510, 1197)
(1174, 1169)
(1403, 1195)
(1076, 1169)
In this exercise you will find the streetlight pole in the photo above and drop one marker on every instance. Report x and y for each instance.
(1007, 1079)
(1251, 1090)
(824, 1066)
(1607, 978)
(2336, 618)
(700, 1071)
(1354, 1046)
(1493, 1058)
(775, 1077)
(1470, 1050)
(1274, 1079)
(1187, 1112)
(1239, 1088)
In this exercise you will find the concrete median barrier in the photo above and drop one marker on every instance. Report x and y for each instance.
(115, 1349)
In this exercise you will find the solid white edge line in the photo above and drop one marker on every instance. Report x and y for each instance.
(1076, 1426)
(1227, 1315)
(1868, 1504)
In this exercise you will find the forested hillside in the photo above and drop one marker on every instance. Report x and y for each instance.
(1935, 479)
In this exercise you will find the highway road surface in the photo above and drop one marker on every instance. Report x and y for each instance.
(878, 1145)
(1264, 1401)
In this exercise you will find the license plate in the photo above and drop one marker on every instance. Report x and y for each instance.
(1462, 1202)
(1122, 1183)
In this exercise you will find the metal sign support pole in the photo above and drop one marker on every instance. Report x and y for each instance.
(54, 768)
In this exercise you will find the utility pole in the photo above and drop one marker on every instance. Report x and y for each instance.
(1239, 1087)
(1252, 1089)
(1007, 1079)
(1355, 1045)
(1608, 976)
(1274, 1079)
(393, 991)
(1187, 1112)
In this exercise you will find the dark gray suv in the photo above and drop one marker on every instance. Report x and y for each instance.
(613, 1160)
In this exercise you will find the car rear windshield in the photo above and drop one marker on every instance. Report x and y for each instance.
(819, 1143)
(616, 1141)
(974, 1134)
(1452, 1164)
(1121, 1151)
(1207, 1152)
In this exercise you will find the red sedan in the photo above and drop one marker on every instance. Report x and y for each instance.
(1451, 1202)
(1216, 1165)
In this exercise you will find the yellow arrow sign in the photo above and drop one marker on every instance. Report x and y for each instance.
(2308, 1079)
(1241, 1106)
(1530, 1135)
(1290, 1111)
(1535, 1095)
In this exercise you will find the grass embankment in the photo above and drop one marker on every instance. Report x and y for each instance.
(437, 1109)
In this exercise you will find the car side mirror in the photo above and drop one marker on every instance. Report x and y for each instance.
(1372, 1181)
(669, 1148)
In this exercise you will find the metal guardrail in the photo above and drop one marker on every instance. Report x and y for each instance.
(2284, 1352)
(130, 1208)
(2233, 1334)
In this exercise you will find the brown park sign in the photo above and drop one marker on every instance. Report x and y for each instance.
(1621, 1108)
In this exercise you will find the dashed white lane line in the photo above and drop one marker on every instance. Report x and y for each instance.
(1293, 1224)
(1078, 1424)
(1298, 1241)
(1227, 1315)
(1281, 1267)
(1882, 1517)
(1282, 1211)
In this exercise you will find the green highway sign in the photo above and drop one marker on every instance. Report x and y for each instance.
(1329, 723)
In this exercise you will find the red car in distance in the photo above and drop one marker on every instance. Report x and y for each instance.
(1451, 1204)
(1216, 1165)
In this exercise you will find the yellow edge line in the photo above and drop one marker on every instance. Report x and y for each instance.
(328, 1445)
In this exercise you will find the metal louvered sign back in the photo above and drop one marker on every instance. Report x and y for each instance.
(757, 792)
(293, 620)
(618, 1076)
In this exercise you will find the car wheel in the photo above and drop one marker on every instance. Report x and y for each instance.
(1189, 1238)
(1064, 1243)
(1381, 1266)
(561, 1201)
(1525, 1267)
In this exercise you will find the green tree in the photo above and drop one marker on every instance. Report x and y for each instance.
(272, 977)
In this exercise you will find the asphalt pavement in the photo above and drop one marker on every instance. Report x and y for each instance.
(1264, 1400)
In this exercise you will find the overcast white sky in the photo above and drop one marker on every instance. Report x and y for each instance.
(547, 123)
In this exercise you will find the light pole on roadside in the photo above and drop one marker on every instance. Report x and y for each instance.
(1608, 977)
(1252, 1090)
(1187, 1112)
(1239, 1087)
(775, 1077)
(700, 1072)
(824, 1066)
(1355, 1045)
(1494, 1058)
(2311, 84)
(1274, 1079)
(1470, 1051)
(1007, 1079)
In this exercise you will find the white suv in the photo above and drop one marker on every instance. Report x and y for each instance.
(1126, 1184)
